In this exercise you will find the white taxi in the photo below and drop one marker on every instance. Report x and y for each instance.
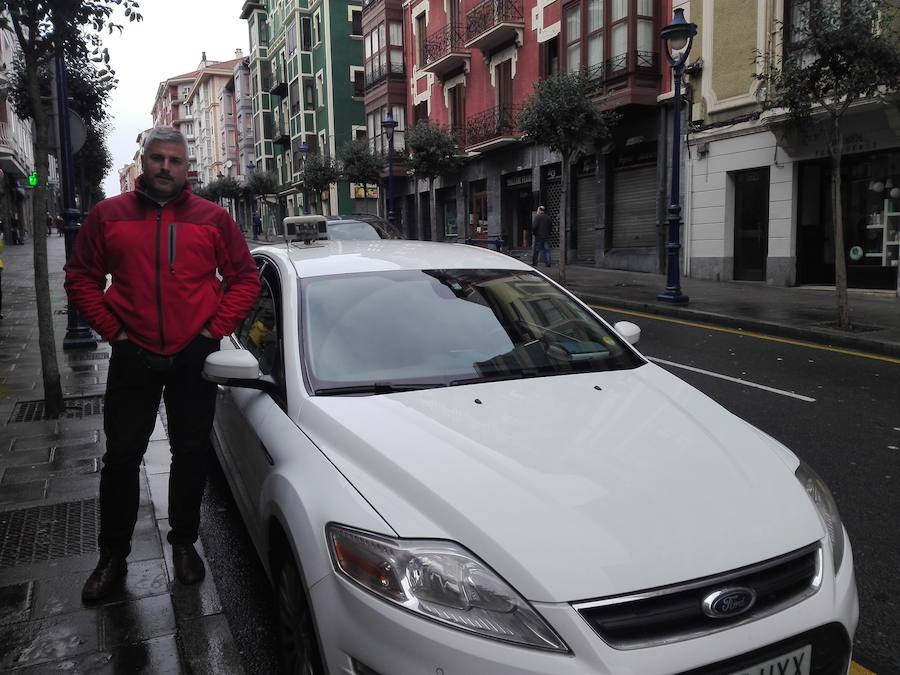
(450, 465)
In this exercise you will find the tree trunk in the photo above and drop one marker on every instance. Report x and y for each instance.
(836, 143)
(432, 212)
(53, 398)
(420, 225)
(564, 218)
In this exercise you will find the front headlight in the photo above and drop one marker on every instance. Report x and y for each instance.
(824, 502)
(442, 581)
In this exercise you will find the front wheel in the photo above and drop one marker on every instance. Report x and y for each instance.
(296, 627)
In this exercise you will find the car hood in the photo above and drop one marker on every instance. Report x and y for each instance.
(572, 487)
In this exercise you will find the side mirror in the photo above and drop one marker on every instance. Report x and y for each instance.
(630, 332)
(238, 368)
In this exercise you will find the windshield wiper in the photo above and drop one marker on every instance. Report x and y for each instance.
(377, 388)
(515, 375)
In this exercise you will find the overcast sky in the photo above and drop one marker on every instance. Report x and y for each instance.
(169, 41)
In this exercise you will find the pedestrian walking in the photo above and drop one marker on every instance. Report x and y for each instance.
(164, 313)
(257, 225)
(541, 227)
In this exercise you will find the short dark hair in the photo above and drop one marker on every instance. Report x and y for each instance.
(164, 134)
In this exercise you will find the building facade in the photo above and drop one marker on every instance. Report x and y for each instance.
(758, 196)
(306, 85)
(473, 64)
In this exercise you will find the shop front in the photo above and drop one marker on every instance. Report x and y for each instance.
(870, 199)
(516, 210)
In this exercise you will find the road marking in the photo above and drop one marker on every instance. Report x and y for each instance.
(856, 669)
(747, 333)
(746, 383)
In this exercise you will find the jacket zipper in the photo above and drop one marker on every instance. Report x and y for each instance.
(159, 308)
(172, 247)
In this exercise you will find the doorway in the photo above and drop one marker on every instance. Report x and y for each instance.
(751, 224)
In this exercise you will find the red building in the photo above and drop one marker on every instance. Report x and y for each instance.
(471, 64)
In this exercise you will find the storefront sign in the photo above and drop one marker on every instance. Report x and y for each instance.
(360, 191)
(636, 155)
(518, 179)
(853, 143)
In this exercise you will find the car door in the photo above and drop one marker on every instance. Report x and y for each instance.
(242, 412)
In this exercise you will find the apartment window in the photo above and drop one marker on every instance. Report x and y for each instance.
(305, 33)
(309, 94)
(421, 27)
(550, 57)
(573, 38)
(295, 97)
(619, 35)
(356, 22)
(320, 90)
(457, 96)
(359, 81)
(317, 28)
(420, 112)
(290, 38)
(646, 31)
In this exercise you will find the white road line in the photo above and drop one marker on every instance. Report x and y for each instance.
(734, 379)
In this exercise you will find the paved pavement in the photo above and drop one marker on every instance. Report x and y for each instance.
(49, 474)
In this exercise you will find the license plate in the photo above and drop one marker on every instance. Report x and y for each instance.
(795, 663)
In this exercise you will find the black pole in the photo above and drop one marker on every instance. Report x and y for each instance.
(673, 293)
(78, 334)
(390, 213)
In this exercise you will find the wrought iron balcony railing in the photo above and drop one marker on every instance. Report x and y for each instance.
(489, 13)
(443, 42)
(498, 122)
(377, 72)
(628, 62)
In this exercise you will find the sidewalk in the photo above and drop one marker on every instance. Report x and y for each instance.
(49, 475)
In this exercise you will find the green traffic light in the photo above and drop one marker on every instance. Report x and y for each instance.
(33, 179)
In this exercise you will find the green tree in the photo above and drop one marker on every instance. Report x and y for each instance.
(359, 164)
(560, 114)
(433, 151)
(45, 29)
(318, 173)
(848, 52)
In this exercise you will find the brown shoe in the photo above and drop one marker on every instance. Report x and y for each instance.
(106, 577)
(189, 567)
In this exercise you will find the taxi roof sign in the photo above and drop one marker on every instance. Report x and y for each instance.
(304, 228)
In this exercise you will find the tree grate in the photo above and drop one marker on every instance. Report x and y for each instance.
(42, 533)
(87, 356)
(76, 408)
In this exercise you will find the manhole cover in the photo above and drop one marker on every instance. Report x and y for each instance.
(88, 356)
(48, 532)
(30, 411)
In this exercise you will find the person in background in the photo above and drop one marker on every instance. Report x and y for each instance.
(164, 312)
(541, 227)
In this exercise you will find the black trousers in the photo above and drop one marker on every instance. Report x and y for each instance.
(135, 383)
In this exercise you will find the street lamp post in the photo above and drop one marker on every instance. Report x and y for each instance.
(303, 149)
(78, 334)
(389, 125)
(677, 37)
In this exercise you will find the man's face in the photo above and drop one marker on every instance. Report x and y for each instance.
(165, 168)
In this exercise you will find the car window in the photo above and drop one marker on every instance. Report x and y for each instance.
(260, 333)
(444, 327)
(352, 230)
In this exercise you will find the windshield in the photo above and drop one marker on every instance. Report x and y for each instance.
(400, 330)
(352, 230)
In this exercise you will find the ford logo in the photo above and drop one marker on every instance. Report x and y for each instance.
(728, 602)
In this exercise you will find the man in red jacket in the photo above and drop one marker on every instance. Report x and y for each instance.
(164, 312)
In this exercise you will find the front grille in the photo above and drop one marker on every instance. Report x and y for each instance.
(674, 613)
(830, 649)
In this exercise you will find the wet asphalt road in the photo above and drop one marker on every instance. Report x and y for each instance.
(850, 435)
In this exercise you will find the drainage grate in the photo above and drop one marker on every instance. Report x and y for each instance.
(49, 532)
(31, 411)
(87, 356)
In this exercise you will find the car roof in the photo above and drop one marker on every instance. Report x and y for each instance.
(349, 257)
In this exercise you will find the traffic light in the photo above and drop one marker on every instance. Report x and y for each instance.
(33, 179)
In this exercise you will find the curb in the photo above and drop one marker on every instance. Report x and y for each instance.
(817, 336)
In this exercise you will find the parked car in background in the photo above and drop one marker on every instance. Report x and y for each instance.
(448, 463)
(353, 226)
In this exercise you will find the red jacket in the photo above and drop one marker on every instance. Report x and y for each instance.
(163, 262)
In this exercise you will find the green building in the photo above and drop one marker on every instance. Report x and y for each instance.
(306, 82)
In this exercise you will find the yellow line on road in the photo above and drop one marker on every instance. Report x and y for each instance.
(747, 333)
(856, 669)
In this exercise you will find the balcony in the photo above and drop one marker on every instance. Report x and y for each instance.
(281, 136)
(379, 72)
(493, 128)
(445, 50)
(631, 78)
(492, 23)
(278, 88)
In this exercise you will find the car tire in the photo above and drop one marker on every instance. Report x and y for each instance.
(298, 643)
